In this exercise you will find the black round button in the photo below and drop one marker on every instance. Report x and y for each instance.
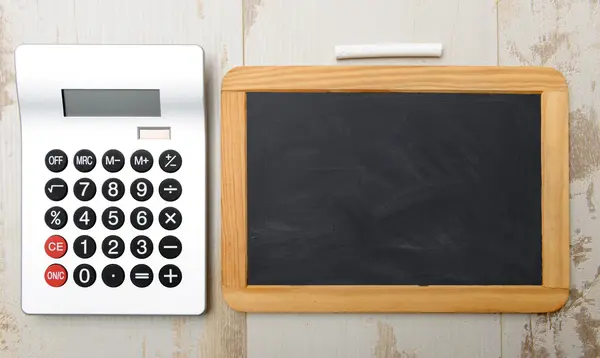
(84, 275)
(56, 160)
(169, 247)
(141, 218)
(113, 189)
(170, 189)
(113, 275)
(113, 247)
(170, 218)
(113, 218)
(170, 161)
(84, 189)
(113, 161)
(84, 161)
(141, 247)
(56, 218)
(169, 275)
(84, 247)
(141, 189)
(141, 275)
(141, 161)
(56, 189)
(84, 218)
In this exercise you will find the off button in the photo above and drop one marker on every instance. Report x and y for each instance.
(56, 275)
(56, 246)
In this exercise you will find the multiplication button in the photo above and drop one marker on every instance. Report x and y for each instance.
(56, 189)
(170, 276)
(113, 161)
(141, 275)
(170, 161)
(56, 160)
(169, 189)
(170, 218)
(56, 218)
(113, 275)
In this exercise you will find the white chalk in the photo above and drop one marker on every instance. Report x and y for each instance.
(343, 52)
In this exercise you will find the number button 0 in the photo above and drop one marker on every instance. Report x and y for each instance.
(113, 189)
(141, 247)
(113, 218)
(84, 275)
(84, 247)
(141, 189)
(84, 218)
(113, 247)
(84, 189)
(141, 218)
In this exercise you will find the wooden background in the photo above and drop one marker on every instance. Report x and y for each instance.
(564, 34)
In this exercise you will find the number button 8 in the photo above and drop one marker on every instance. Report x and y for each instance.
(141, 189)
(113, 189)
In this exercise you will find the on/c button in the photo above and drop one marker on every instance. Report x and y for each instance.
(56, 246)
(55, 275)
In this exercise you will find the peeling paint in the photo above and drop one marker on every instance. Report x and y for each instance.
(385, 347)
(547, 46)
(10, 333)
(251, 9)
(6, 72)
(224, 60)
(584, 143)
(530, 348)
(178, 344)
(587, 331)
(593, 85)
(200, 8)
(579, 250)
(589, 197)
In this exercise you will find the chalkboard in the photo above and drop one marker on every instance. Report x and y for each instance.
(394, 189)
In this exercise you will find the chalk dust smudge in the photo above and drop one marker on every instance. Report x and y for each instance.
(200, 9)
(251, 9)
(584, 143)
(587, 331)
(10, 334)
(593, 85)
(385, 347)
(579, 250)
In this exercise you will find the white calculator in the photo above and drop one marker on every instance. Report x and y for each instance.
(113, 179)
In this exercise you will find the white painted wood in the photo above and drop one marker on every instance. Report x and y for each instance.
(280, 32)
(214, 24)
(564, 35)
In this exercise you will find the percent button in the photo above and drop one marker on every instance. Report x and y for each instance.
(56, 218)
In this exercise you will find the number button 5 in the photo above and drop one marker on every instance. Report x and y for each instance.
(141, 247)
(113, 218)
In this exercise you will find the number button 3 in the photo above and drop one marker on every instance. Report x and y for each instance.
(141, 247)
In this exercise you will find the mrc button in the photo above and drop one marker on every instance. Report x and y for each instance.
(55, 275)
(56, 160)
(56, 246)
(85, 160)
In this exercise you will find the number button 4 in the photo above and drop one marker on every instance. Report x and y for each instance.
(84, 218)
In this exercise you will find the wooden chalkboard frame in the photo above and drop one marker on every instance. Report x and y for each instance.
(549, 296)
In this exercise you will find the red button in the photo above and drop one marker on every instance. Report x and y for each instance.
(55, 275)
(56, 246)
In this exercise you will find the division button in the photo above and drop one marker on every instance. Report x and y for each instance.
(85, 160)
(170, 161)
(55, 275)
(170, 218)
(56, 246)
(113, 218)
(56, 189)
(141, 218)
(84, 247)
(141, 275)
(56, 218)
(169, 275)
(141, 247)
(169, 247)
(113, 189)
(56, 160)
(84, 275)
(84, 189)
(113, 161)
(84, 218)
(113, 275)
(141, 189)
(170, 190)
(141, 161)
(113, 247)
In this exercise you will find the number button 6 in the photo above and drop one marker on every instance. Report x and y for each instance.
(141, 218)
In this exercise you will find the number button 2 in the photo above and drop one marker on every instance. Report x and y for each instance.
(141, 247)
(113, 189)
(141, 218)
(84, 189)
(141, 189)
(113, 218)
(113, 247)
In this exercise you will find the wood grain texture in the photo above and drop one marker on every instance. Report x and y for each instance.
(280, 32)
(564, 35)
(216, 27)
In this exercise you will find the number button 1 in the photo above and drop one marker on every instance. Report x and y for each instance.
(84, 189)
(113, 189)
(113, 247)
(84, 247)
(141, 189)
(141, 247)
(113, 218)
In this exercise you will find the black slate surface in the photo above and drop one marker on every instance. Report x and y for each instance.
(394, 188)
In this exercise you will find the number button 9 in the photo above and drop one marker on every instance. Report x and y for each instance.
(141, 189)
(113, 189)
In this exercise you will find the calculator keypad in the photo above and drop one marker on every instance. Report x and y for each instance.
(112, 217)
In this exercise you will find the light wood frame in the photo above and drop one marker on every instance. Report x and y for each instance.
(550, 296)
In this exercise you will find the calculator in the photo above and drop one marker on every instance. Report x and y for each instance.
(113, 153)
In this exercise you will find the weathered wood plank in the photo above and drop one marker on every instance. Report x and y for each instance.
(564, 35)
(279, 32)
(214, 24)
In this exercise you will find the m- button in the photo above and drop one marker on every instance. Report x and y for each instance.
(55, 275)
(56, 246)
(113, 161)
(85, 160)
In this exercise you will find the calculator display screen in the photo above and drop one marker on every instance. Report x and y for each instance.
(111, 102)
